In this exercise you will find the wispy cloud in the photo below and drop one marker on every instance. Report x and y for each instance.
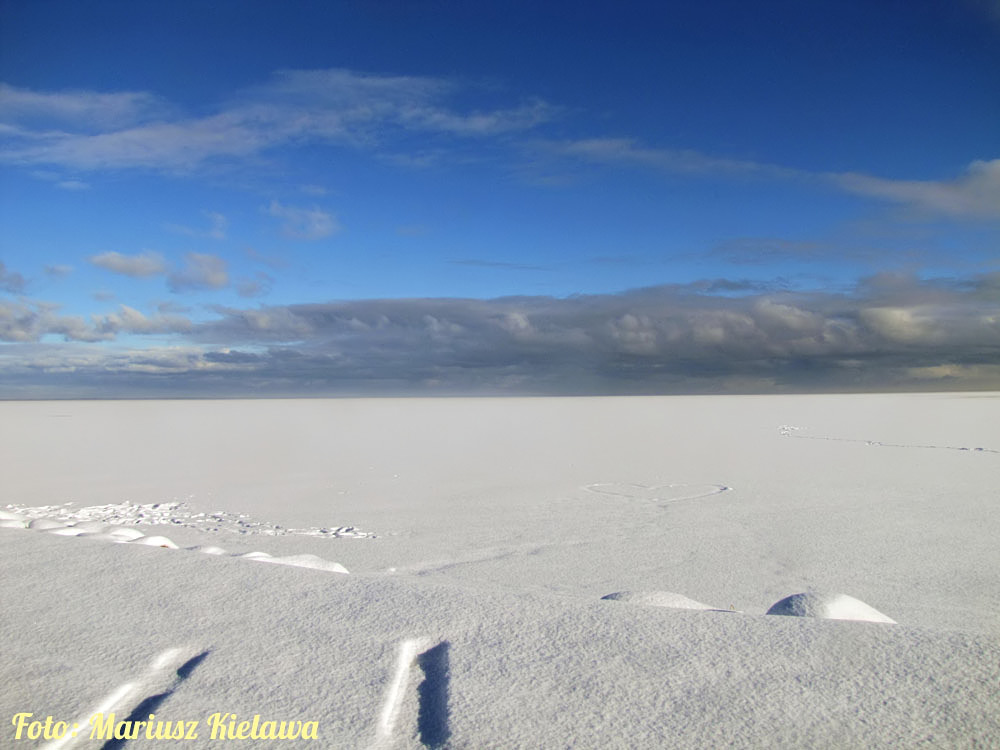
(304, 223)
(58, 179)
(85, 131)
(413, 230)
(973, 194)
(628, 152)
(171, 146)
(118, 130)
(989, 8)
(763, 250)
(72, 185)
(81, 110)
(497, 265)
(142, 265)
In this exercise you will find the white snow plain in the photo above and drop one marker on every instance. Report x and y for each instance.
(523, 573)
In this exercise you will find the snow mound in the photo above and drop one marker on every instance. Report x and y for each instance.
(124, 534)
(95, 526)
(63, 530)
(95, 530)
(827, 607)
(304, 561)
(44, 524)
(656, 599)
(156, 541)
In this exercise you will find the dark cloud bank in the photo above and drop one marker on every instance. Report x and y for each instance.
(889, 333)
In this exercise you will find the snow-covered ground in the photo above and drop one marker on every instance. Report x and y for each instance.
(523, 573)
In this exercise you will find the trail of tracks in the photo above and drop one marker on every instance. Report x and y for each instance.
(791, 431)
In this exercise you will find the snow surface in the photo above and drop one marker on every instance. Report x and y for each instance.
(530, 575)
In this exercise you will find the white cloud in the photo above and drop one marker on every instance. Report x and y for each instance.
(201, 271)
(169, 307)
(72, 185)
(304, 223)
(56, 178)
(58, 270)
(318, 190)
(216, 230)
(30, 321)
(973, 194)
(130, 320)
(786, 320)
(898, 324)
(644, 332)
(11, 281)
(142, 265)
(77, 109)
(258, 286)
(219, 224)
(887, 333)
(271, 261)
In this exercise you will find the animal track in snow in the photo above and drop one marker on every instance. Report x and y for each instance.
(663, 493)
(178, 514)
(787, 430)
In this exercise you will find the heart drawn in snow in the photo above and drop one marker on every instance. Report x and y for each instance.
(663, 493)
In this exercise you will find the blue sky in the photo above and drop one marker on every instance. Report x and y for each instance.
(323, 198)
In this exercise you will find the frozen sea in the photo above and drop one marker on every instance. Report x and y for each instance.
(440, 569)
